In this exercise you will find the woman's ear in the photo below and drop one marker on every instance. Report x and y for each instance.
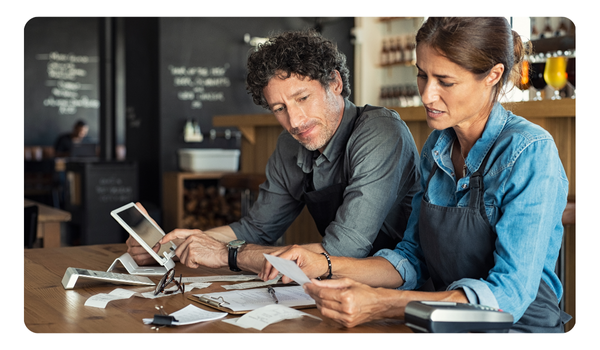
(495, 74)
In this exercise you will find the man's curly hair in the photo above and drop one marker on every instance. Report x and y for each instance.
(305, 53)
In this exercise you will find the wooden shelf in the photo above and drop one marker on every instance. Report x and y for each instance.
(173, 186)
(532, 109)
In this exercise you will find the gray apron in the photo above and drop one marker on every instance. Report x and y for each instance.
(459, 243)
(323, 204)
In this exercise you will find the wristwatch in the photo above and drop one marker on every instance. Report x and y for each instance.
(233, 248)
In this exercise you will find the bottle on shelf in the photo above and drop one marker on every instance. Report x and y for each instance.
(535, 34)
(191, 131)
(399, 53)
(412, 47)
(548, 32)
(188, 130)
(562, 29)
(384, 54)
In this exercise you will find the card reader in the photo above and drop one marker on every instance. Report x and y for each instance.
(450, 317)
(73, 274)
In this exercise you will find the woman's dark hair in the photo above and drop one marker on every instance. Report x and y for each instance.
(305, 53)
(476, 44)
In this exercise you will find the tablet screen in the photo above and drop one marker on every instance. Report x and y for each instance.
(143, 227)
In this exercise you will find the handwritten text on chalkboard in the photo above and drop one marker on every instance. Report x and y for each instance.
(113, 189)
(68, 81)
(200, 84)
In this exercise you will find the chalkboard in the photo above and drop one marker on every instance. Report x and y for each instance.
(61, 77)
(203, 69)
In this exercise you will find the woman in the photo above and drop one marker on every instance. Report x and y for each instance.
(486, 227)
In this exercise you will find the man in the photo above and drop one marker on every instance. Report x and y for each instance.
(64, 143)
(355, 168)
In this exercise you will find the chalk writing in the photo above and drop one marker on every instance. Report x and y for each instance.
(67, 74)
(113, 189)
(200, 84)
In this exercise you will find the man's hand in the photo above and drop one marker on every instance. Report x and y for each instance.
(195, 248)
(137, 252)
(311, 263)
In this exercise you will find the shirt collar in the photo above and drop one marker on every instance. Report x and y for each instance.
(494, 126)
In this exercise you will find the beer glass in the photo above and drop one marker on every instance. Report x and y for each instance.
(555, 74)
(536, 76)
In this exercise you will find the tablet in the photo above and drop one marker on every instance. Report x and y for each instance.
(145, 231)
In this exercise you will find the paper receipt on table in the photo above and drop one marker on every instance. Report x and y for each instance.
(288, 268)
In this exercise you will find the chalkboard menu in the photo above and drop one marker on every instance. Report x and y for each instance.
(61, 77)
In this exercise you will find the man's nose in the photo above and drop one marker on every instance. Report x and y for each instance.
(296, 115)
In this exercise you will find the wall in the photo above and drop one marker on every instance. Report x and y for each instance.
(182, 68)
(202, 70)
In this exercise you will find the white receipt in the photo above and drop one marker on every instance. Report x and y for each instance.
(102, 299)
(264, 316)
(191, 314)
(288, 268)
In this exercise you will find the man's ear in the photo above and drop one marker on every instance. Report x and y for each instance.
(337, 85)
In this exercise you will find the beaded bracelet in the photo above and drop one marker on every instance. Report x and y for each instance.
(328, 263)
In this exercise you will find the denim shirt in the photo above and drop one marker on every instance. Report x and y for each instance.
(525, 195)
(380, 162)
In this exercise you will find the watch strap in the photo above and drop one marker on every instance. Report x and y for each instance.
(232, 259)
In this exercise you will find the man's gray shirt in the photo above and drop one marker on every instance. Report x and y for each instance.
(381, 162)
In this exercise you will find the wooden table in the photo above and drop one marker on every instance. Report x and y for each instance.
(49, 221)
(49, 308)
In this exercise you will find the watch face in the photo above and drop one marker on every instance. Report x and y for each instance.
(236, 244)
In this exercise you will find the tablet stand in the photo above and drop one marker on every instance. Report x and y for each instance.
(133, 268)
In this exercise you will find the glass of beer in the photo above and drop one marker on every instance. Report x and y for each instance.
(555, 74)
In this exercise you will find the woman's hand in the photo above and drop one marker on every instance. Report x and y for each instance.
(351, 303)
(311, 263)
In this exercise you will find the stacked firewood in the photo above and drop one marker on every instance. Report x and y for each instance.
(206, 207)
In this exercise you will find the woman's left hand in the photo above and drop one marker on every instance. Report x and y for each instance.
(350, 303)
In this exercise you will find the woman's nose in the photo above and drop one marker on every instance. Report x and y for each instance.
(428, 93)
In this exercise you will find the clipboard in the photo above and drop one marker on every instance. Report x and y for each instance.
(293, 297)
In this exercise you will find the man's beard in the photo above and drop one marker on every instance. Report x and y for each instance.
(318, 141)
(327, 127)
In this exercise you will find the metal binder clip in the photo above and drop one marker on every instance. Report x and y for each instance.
(162, 319)
(217, 302)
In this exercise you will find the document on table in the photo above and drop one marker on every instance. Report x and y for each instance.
(191, 314)
(246, 300)
(247, 285)
(266, 315)
(224, 278)
(288, 268)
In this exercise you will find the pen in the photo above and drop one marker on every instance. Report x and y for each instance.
(272, 292)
